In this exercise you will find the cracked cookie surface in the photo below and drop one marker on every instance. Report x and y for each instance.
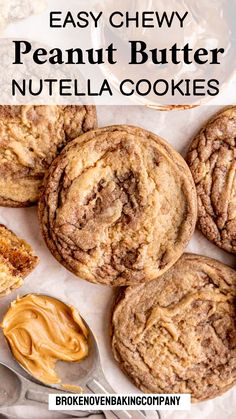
(17, 260)
(212, 161)
(177, 334)
(30, 138)
(118, 206)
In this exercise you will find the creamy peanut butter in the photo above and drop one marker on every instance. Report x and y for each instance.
(41, 331)
(72, 389)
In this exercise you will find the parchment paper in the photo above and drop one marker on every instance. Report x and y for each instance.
(94, 301)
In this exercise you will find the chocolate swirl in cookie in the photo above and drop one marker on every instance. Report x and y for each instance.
(177, 334)
(212, 161)
(118, 206)
(30, 138)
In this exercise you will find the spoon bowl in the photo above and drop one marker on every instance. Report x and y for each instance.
(79, 373)
(75, 374)
(10, 386)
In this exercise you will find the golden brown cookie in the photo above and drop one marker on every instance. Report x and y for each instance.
(177, 334)
(30, 138)
(118, 206)
(17, 260)
(212, 161)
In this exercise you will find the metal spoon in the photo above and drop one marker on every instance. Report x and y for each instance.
(16, 390)
(87, 374)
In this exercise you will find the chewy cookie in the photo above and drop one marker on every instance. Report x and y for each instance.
(118, 206)
(212, 161)
(177, 334)
(30, 138)
(17, 260)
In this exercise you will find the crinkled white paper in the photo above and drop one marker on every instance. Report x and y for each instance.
(94, 301)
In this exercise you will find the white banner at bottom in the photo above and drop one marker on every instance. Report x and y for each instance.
(119, 402)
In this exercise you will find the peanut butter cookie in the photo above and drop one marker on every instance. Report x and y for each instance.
(212, 161)
(17, 260)
(118, 206)
(177, 334)
(30, 138)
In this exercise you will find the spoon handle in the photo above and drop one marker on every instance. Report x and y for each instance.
(99, 385)
(33, 394)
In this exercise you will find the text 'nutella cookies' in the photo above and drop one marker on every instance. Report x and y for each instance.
(30, 138)
(40, 331)
(212, 161)
(17, 260)
(118, 206)
(177, 334)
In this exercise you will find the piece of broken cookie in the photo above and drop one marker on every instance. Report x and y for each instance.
(17, 260)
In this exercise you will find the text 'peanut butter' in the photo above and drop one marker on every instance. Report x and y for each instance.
(41, 331)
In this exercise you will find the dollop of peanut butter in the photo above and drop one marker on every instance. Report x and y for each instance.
(41, 331)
